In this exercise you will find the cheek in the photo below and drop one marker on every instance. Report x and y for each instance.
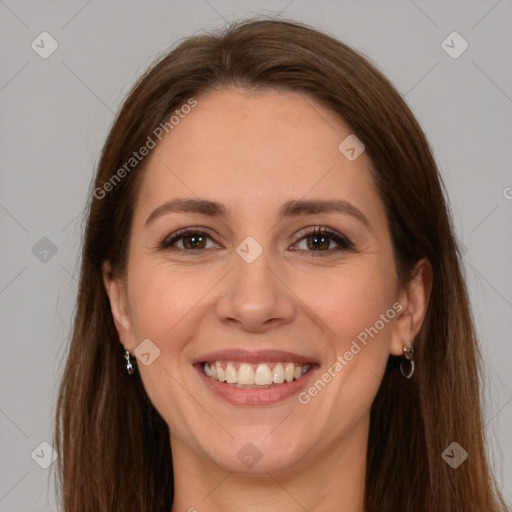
(161, 297)
(350, 300)
(165, 306)
(356, 306)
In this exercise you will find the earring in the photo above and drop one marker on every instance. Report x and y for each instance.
(407, 364)
(128, 365)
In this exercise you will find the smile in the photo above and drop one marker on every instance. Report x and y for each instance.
(262, 375)
(255, 378)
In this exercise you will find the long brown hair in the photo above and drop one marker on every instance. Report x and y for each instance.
(114, 448)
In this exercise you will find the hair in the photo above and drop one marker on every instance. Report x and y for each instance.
(114, 448)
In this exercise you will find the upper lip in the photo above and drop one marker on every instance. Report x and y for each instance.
(253, 356)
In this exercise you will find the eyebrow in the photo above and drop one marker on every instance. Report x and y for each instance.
(289, 209)
(201, 206)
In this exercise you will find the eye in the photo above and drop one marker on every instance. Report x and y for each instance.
(317, 240)
(322, 240)
(189, 240)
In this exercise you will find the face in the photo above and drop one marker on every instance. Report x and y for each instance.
(260, 249)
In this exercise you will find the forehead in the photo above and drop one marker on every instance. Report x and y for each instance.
(249, 149)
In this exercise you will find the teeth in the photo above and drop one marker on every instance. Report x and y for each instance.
(289, 371)
(252, 375)
(245, 374)
(220, 372)
(263, 375)
(278, 374)
(231, 374)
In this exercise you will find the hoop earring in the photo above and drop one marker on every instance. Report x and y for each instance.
(128, 364)
(407, 364)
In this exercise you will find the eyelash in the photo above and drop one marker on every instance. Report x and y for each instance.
(318, 231)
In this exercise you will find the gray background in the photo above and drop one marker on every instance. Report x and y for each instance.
(54, 117)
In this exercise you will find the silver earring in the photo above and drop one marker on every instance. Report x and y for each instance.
(407, 364)
(128, 365)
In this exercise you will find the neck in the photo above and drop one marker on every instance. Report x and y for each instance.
(332, 481)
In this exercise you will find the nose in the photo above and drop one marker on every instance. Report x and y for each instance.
(255, 297)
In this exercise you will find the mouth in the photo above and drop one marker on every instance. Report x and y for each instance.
(255, 378)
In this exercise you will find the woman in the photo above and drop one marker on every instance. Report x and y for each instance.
(271, 312)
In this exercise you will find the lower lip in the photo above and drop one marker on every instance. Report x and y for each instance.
(254, 396)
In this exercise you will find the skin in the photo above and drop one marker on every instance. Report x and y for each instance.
(260, 150)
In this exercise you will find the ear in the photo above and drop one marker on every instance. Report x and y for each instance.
(414, 299)
(116, 291)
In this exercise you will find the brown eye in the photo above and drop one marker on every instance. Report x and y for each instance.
(187, 240)
(323, 240)
(318, 242)
(195, 241)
